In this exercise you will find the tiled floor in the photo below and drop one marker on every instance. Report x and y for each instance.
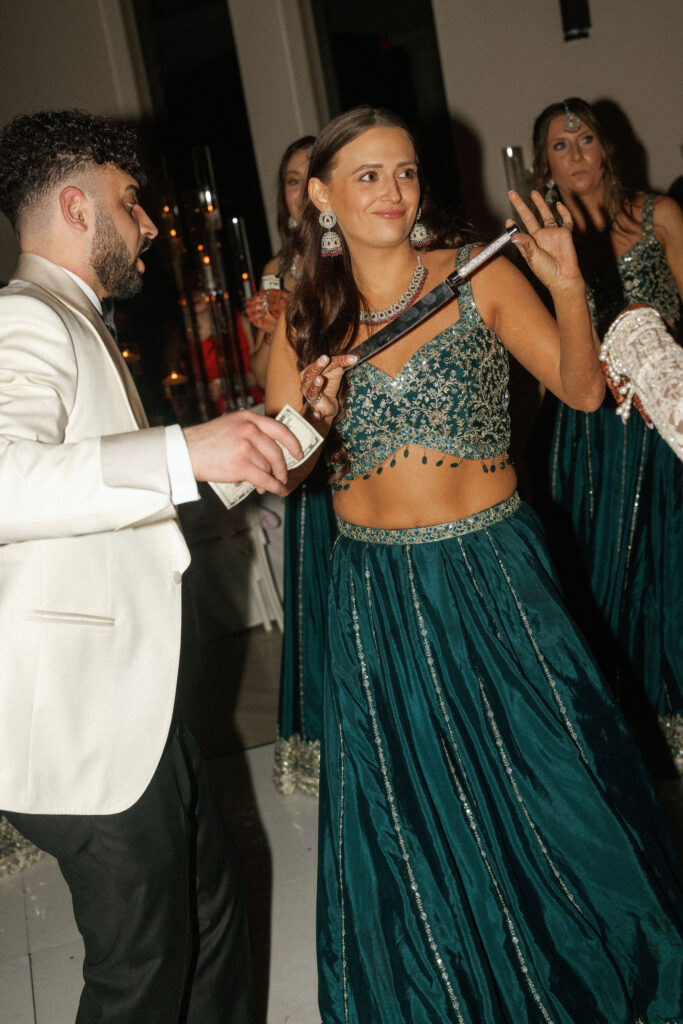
(41, 951)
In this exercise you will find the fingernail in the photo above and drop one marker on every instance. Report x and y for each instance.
(353, 359)
(318, 381)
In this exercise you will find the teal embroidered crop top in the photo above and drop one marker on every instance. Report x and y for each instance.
(451, 396)
(641, 274)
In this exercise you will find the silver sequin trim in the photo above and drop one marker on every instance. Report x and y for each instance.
(16, 852)
(439, 531)
(300, 608)
(502, 753)
(539, 655)
(341, 874)
(430, 658)
(561, 413)
(392, 803)
(296, 765)
(494, 881)
(461, 793)
(589, 467)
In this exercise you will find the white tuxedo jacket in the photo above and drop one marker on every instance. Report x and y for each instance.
(91, 559)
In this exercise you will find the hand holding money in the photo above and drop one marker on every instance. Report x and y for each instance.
(309, 439)
(242, 446)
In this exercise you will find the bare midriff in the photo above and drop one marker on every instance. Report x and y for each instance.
(412, 493)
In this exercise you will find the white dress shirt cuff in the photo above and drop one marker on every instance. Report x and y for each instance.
(183, 483)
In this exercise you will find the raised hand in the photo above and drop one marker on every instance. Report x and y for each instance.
(547, 246)
(320, 383)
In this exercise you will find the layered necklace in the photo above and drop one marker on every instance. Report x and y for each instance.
(389, 313)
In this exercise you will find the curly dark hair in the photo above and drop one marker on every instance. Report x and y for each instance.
(39, 151)
(324, 313)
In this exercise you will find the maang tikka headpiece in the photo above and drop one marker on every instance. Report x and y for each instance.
(571, 122)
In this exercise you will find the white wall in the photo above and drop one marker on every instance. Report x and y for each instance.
(503, 62)
(63, 54)
(282, 84)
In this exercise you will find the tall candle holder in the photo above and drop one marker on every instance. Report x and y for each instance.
(208, 253)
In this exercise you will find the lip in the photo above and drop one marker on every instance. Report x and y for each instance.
(140, 266)
(390, 214)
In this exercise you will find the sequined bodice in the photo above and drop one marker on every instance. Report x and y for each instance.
(641, 274)
(451, 396)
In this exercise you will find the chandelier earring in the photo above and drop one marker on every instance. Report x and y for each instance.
(550, 191)
(419, 236)
(330, 243)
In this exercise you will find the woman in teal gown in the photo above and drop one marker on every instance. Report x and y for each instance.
(309, 535)
(309, 529)
(616, 487)
(490, 848)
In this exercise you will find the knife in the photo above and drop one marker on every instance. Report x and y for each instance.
(428, 304)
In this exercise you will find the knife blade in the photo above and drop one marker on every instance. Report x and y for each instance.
(428, 304)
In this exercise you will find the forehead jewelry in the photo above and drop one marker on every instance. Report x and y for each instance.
(571, 122)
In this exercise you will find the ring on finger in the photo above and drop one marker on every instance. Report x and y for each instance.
(313, 401)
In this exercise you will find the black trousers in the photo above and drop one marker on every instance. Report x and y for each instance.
(158, 898)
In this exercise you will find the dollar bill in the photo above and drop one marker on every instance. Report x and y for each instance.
(307, 436)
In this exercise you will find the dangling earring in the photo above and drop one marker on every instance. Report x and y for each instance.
(292, 223)
(550, 193)
(419, 236)
(330, 243)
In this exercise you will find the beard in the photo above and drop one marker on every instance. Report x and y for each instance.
(111, 261)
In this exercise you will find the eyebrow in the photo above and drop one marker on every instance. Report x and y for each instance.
(369, 167)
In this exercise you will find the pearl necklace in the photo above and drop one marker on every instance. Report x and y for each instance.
(384, 316)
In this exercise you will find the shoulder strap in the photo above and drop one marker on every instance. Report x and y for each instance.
(465, 288)
(464, 253)
(648, 214)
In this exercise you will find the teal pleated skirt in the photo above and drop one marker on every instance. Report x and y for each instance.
(309, 534)
(491, 851)
(619, 487)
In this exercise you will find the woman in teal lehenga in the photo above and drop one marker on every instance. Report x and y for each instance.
(309, 521)
(616, 487)
(490, 847)
(309, 535)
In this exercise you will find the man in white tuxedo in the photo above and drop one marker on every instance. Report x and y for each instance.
(93, 766)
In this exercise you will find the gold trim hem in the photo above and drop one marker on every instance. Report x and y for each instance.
(672, 730)
(296, 765)
(16, 853)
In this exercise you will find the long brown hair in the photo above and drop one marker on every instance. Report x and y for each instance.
(323, 314)
(289, 235)
(617, 196)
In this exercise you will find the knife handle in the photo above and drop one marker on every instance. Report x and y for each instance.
(491, 249)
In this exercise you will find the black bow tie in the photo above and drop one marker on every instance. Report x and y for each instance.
(108, 316)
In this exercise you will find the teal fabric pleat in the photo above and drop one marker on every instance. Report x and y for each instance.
(309, 534)
(491, 851)
(619, 487)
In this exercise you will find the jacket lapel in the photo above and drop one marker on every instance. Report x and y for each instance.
(42, 272)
